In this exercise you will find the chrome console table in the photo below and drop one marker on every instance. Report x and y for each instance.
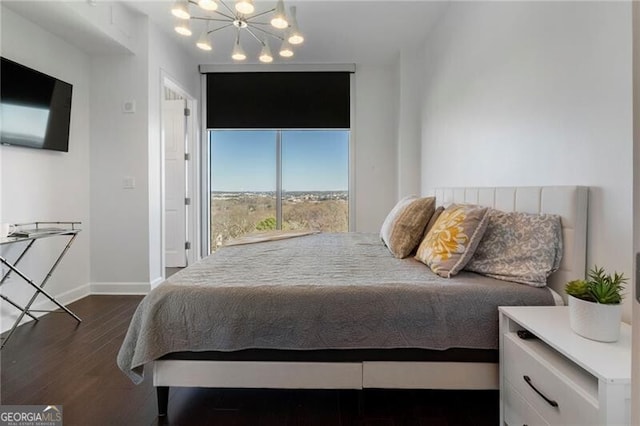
(29, 233)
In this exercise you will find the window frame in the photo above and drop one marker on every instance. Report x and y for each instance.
(205, 205)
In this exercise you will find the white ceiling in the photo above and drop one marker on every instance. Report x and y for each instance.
(335, 31)
(57, 18)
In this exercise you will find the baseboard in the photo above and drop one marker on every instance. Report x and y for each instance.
(155, 283)
(42, 303)
(120, 288)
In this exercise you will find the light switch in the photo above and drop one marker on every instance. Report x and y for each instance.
(128, 182)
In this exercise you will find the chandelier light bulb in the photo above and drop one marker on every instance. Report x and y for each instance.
(280, 18)
(238, 52)
(265, 55)
(295, 36)
(285, 50)
(180, 10)
(210, 5)
(245, 6)
(183, 28)
(238, 55)
(203, 42)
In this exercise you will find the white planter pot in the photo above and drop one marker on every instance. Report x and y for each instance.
(595, 321)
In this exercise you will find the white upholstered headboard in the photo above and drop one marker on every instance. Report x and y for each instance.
(570, 202)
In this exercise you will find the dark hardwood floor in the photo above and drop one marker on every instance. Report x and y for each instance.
(55, 362)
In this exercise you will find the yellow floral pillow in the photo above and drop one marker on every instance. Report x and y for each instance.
(453, 239)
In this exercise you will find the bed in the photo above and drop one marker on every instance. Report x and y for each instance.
(338, 312)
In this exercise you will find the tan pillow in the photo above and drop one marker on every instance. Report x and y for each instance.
(404, 226)
(450, 244)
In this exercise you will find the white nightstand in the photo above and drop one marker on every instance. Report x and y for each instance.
(559, 377)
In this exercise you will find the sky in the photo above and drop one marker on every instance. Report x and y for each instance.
(312, 160)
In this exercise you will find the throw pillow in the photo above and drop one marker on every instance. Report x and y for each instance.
(451, 242)
(404, 225)
(521, 247)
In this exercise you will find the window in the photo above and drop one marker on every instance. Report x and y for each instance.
(278, 151)
(315, 180)
(278, 179)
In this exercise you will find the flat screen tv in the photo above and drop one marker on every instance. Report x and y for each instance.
(35, 109)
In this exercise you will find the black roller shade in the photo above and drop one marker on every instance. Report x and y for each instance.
(278, 100)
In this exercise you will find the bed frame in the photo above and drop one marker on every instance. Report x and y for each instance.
(570, 202)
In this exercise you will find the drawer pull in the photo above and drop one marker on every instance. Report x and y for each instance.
(549, 401)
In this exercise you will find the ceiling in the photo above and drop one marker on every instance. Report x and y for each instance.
(58, 19)
(335, 31)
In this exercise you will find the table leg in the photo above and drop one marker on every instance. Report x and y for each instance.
(6, 299)
(6, 276)
(39, 289)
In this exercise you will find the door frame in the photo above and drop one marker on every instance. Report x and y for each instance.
(192, 147)
(205, 164)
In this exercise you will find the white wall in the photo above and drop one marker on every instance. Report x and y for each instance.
(536, 93)
(410, 70)
(375, 133)
(40, 185)
(119, 149)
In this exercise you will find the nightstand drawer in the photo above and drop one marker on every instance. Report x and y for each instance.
(558, 390)
(516, 410)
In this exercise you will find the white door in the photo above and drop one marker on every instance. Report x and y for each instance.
(173, 128)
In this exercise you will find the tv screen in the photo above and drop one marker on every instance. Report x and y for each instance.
(35, 108)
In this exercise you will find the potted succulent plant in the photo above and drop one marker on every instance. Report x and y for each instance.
(595, 305)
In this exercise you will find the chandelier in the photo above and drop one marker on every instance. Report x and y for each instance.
(245, 21)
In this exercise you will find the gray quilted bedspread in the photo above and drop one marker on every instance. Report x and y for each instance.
(324, 291)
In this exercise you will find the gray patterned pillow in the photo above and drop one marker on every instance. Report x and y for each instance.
(520, 247)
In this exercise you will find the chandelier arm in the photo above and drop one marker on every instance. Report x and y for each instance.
(259, 14)
(225, 15)
(228, 8)
(204, 18)
(258, 23)
(219, 28)
(255, 36)
(267, 32)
